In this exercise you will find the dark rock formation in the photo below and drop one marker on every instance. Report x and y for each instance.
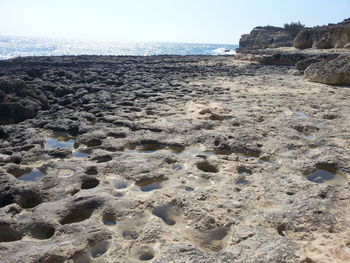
(336, 71)
(323, 37)
(18, 102)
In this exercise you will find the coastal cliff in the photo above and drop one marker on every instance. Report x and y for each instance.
(313, 50)
(267, 36)
(324, 37)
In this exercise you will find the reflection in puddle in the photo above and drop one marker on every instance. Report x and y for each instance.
(326, 173)
(79, 154)
(59, 140)
(301, 115)
(242, 181)
(147, 185)
(34, 175)
(308, 136)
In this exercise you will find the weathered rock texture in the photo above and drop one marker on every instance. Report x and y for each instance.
(324, 37)
(174, 159)
(18, 102)
(266, 37)
(336, 71)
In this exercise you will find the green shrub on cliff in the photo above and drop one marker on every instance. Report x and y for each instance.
(294, 27)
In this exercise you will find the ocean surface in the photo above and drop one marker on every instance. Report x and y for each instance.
(11, 47)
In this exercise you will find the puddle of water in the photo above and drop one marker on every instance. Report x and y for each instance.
(147, 185)
(301, 114)
(249, 156)
(308, 136)
(177, 167)
(59, 140)
(33, 175)
(119, 184)
(80, 154)
(100, 248)
(119, 194)
(189, 189)
(327, 174)
(243, 171)
(242, 181)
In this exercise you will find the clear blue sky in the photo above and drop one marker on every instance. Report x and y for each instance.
(195, 21)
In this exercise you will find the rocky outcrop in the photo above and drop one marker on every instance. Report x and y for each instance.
(336, 71)
(18, 102)
(324, 37)
(267, 36)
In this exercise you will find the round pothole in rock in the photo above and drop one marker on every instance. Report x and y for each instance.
(8, 234)
(189, 188)
(28, 199)
(77, 215)
(91, 171)
(327, 174)
(213, 239)
(150, 184)
(100, 248)
(90, 183)
(119, 194)
(26, 174)
(119, 184)
(109, 220)
(243, 171)
(242, 181)
(34, 175)
(146, 254)
(177, 167)
(59, 140)
(42, 232)
(206, 167)
(130, 234)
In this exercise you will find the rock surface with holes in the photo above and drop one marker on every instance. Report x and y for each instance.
(174, 159)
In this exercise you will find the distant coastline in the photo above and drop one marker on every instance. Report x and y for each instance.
(11, 47)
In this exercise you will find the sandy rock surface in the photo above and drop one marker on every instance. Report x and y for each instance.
(175, 159)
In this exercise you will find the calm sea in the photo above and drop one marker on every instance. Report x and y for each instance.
(11, 47)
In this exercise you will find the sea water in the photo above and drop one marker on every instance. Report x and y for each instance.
(11, 47)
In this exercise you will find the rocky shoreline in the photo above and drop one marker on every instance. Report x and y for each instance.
(171, 159)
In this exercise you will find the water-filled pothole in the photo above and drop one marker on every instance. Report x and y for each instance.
(301, 114)
(100, 248)
(243, 171)
(79, 154)
(26, 174)
(167, 213)
(130, 234)
(326, 173)
(150, 184)
(109, 220)
(8, 234)
(59, 140)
